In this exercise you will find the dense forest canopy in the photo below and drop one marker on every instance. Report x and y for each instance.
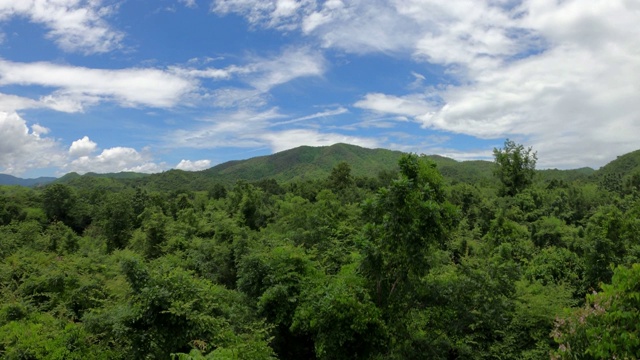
(420, 259)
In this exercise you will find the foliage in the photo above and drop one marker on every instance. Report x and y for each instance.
(515, 167)
(325, 253)
(607, 327)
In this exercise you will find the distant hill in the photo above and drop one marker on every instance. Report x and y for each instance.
(309, 163)
(12, 180)
(623, 165)
(583, 174)
(118, 176)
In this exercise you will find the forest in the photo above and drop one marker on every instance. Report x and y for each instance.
(413, 261)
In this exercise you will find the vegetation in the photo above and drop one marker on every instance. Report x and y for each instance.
(423, 257)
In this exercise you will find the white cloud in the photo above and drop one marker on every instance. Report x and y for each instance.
(561, 76)
(251, 129)
(75, 25)
(293, 63)
(576, 102)
(410, 105)
(208, 73)
(189, 3)
(188, 165)
(76, 88)
(323, 114)
(262, 74)
(22, 149)
(289, 139)
(115, 159)
(226, 129)
(82, 147)
(12, 103)
(80, 86)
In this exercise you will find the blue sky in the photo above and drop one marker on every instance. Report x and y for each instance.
(151, 85)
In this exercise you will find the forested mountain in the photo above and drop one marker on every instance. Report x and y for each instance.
(12, 180)
(308, 163)
(493, 260)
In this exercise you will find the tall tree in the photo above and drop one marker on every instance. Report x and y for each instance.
(58, 201)
(406, 221)
(515, 167)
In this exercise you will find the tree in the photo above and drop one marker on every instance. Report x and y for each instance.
(607, 326)
(405, 222)
(116, 217)
(515, 167)
(58, 201)
(340, 177)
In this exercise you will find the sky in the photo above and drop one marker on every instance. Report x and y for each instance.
(152, 85)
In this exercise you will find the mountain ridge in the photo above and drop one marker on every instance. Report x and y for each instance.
(309, 163)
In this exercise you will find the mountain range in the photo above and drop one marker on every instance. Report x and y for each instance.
(308, 163)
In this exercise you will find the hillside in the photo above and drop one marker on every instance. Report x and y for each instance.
(12, 180)
(623, 165)
(306, 162)
(309, 163)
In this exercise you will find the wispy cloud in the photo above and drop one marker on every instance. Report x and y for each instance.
(248, 128)
(75, 25)
(323, 114)
(409, 105)
(78, 86)
(289, 139)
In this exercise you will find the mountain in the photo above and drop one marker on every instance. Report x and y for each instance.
(12, 180)
(118, 176)
(310, 163)
(623, 165)
(307, 162)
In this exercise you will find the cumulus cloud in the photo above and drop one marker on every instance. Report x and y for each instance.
(75, 25)
(22, 148)
(115, 159)
(560, 75)
(576, 102)
(188, 165)
(82, 147)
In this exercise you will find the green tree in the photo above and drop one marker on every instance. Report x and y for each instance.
(117, 219)
(608, 326)
(340, 316)
(406, 221)
(154, 224)
(340, 177)
(515, 167)
(58, 201)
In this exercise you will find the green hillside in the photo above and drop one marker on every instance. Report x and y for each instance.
(306, 162)
(312, 163)
(623, 165)
(12, 180)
